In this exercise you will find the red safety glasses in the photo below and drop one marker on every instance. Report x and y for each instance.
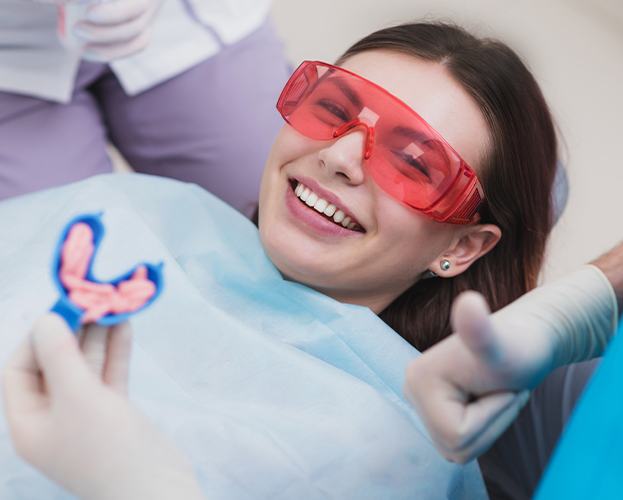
(404, 155)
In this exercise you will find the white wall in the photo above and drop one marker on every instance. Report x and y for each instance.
(575, 49)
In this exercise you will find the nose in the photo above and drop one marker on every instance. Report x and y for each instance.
(344, 156)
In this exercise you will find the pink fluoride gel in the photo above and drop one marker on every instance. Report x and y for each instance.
(98, 299)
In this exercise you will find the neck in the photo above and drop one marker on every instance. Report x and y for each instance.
(375, 302)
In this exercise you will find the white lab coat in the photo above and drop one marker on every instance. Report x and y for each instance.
(33, 61)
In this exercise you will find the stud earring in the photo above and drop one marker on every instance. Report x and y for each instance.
(445, 265)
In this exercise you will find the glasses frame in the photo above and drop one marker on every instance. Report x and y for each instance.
(465, 189)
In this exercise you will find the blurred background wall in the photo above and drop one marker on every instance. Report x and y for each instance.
(575, 50)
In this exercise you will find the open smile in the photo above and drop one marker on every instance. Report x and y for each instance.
(320, 209)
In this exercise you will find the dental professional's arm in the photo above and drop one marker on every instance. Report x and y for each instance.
(514, 465)
(69, 417)
(470, 387)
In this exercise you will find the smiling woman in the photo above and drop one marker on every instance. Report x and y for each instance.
(391, 140)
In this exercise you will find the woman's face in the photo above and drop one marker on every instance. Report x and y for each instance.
(392, 244)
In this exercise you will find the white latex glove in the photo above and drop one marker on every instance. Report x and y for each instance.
(115, 28)
(470, 387)
(69, 417)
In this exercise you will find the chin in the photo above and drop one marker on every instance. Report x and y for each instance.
(294, 262)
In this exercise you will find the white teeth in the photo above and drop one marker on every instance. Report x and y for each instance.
(339, 216)
(320, 205)
(312, 199)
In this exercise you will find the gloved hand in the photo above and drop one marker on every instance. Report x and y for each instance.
(464, 387)
(115, 28)
(69, 417)
(470, 387)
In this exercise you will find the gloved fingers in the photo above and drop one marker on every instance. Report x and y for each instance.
(93, 34)
(118, 11)
(22, 383)
(454, 423)
(58, 355)
(440, 405)
(24, 397)
(94, 343)
(117, 367)
(497, 413)
(111, 52)
(471, 321)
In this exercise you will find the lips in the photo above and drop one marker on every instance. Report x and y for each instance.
(324, 203)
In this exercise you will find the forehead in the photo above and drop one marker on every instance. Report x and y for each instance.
(428, 88)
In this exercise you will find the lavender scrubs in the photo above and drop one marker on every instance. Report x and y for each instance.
(212, 125)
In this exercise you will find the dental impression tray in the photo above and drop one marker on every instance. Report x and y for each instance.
(85, 299)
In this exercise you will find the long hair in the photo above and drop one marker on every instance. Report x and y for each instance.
(517, 173)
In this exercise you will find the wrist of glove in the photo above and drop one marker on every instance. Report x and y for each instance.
(578, 313)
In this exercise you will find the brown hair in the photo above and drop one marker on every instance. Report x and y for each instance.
(517, 173)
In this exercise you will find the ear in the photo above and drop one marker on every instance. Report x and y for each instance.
(467, 248)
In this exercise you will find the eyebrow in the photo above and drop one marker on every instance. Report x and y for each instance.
(347, 90)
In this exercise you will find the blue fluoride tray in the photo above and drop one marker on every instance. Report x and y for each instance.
(73, 313)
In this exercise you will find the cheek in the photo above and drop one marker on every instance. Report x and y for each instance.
(290, 145)
(410, 240)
